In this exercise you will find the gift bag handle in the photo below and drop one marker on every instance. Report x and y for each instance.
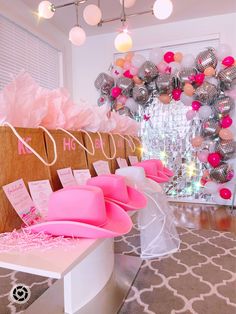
(114, 145)
(78, 142)
(31, 149)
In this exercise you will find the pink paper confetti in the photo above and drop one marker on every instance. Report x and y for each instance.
(23, 241)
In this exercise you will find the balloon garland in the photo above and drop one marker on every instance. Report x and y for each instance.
(207, 83)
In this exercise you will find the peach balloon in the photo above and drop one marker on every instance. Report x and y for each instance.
(137, 80)
(226, 134)
(165, 98)
(120, 62)
(188, 89)
(197, 141)
(129, 56)
(178, 56)
(210, 71)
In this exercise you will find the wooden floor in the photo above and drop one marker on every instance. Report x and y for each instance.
(201, 216)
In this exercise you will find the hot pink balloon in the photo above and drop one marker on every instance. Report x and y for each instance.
(128, 74)
(190, 114)
(225, 193)
(226, 122)
(214, 159)
(115, 92)
(176, 93)
(228, 61)
(203, 155)
(199, 78)
(162, 66)
(169, 57)
(196, 105)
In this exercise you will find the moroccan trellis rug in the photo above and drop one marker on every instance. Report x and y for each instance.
(200, 278)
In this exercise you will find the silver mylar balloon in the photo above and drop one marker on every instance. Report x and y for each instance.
(104, 100)
(222, 174)
(104, 83)
(126, 112)
(206, 93)
(140, 94)
(126, 84)
(148, 72)
(227, 77)
(164, 83)
(210, 127)
(205, 59)
(223, 105)
(151, 86)
(186, 74)
(209, 144)
(226, 149)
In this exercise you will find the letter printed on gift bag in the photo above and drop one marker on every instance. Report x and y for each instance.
(68, 144)
(22, 150)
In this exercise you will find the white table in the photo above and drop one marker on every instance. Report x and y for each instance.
(88, 282)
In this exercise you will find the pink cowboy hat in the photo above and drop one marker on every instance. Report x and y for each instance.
(116, 190)
(162, 168)
(82, 212)
(150, 168)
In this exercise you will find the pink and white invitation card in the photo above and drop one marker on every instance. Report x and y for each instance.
(101, 167)
(66, 177)
(81, 176)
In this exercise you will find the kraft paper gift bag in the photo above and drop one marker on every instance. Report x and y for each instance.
(99, 142)
(120, 149)
(22, 155)
(71, 153)
(133, 147)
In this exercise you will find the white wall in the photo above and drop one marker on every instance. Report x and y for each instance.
(97, 54)
(18, 12)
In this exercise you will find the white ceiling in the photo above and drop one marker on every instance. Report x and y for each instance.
(65, 18)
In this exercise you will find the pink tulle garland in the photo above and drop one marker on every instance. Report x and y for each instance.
(24, 241)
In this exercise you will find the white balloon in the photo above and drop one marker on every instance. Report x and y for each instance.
(204, 112)
(212, 80)
(175, 67)
(186, 100)
(156, 55)
(77, 36)
(223, 51)
(132, 105)
(188, 61)
(211, 187)
(138, 60)
(92, 14)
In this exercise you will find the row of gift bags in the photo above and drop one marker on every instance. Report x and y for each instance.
(37, 154)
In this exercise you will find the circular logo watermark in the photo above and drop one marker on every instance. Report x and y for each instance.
(20, 293)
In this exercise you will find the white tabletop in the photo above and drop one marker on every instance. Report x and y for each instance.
(53, 263)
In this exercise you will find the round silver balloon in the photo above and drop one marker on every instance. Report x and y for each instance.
(222, 174)
(206, 93)
(164, 83)
(227, 77)
(126, 112)
(104, 100)
(205, 59)
(226, 149)
(186, 75)
(104, 83)
(148, 72)
(140, 94)
(126, 84)
(223, 105)
(151, 86)
(210, 127)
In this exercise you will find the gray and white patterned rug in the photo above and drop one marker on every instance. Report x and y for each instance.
(199, 278)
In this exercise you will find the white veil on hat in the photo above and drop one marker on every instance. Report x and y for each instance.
(156, 221)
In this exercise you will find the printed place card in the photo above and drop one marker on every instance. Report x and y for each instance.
(101, 167)
(133, 160)
(40, 192)
(122, 162)
(66, 177)
(81, 176)
(20, 199)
